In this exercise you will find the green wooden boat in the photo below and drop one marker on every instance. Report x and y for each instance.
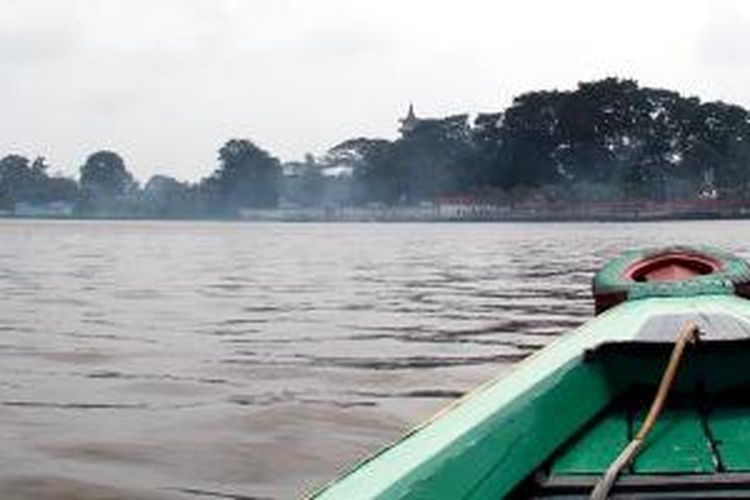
(553, 425)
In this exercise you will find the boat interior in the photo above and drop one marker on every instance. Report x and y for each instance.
(699, 446)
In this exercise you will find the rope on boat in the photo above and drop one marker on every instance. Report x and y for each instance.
(688, 334)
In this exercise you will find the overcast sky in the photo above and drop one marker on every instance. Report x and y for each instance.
(166, 82)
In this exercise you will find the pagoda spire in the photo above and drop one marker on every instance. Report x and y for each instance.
(410, 115)
(409, 122)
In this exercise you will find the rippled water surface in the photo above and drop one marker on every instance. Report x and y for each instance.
(217, 360)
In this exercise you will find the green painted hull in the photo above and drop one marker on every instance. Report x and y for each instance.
(541, 414)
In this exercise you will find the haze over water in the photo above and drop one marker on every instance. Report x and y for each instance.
(210, 360)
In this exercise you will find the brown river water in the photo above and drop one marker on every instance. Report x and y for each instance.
(191, 360)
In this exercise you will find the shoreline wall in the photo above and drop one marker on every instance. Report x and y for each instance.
(541, 211)
(455, 212)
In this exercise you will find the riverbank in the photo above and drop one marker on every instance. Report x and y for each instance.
(527, 212)
(459, 211)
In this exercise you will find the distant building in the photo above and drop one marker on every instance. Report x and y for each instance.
(51, 209)
(338, 171)
(409, 122)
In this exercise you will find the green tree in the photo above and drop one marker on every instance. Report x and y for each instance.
(718, 139)
(435, 157)
(25, 181)
(376, 178)
(247, 177)
(16, 179)
(165, 196)
(530, 136)
(490, 155)
(107, 187)
(304, 182)
(104, 175)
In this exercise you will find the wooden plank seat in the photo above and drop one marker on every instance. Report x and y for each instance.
(699, 448)
(678, 444)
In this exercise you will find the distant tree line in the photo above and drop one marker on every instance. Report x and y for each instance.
(247, 177)
(605, 140)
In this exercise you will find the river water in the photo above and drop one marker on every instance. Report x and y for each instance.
(239, 360)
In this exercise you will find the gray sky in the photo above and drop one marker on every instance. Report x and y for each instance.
(166, 82)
